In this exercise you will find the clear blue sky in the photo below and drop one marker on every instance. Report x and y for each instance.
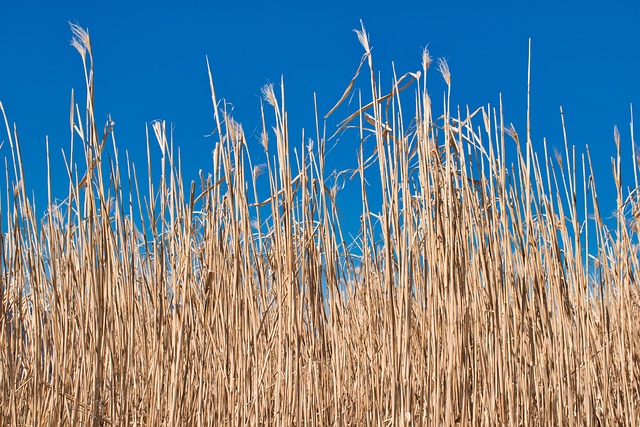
(150, 64)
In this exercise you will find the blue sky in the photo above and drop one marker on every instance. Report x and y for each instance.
(150, 64)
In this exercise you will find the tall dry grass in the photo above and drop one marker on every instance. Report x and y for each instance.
(469, 298)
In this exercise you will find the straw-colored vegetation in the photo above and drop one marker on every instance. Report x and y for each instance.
(478, 292)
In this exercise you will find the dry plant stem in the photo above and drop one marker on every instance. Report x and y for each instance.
(476, 292)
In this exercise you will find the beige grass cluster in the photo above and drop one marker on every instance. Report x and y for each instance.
(469, 299)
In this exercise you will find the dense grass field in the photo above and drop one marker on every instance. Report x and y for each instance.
(480, 293)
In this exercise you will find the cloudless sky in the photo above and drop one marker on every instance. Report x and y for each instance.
(150, 64)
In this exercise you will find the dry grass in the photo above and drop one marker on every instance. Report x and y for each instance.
(469, 299)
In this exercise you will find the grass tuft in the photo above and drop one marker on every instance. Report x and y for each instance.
(481, 293)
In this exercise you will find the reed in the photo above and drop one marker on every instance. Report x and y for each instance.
(479, 292)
